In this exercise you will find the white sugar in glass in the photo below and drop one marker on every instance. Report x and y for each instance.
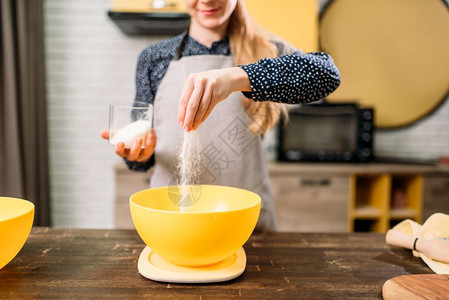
(127, 123)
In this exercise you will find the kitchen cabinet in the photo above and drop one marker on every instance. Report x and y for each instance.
(326, 197)
(436, 194)
(127, 183)
(311, 202)
(66, 263)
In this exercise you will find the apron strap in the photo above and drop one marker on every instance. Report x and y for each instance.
(178, 53)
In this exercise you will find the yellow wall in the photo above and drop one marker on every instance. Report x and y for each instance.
(392, 55)
(145, 6)
(293, 20)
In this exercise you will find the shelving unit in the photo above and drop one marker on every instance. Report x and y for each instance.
(379, 201)
(374, 196)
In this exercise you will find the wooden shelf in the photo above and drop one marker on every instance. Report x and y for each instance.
(367, 212)
(373, 197)
(403, 213)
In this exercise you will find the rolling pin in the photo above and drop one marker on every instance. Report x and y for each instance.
(435, 248)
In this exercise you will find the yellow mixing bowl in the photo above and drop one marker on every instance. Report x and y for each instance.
(217, 224)
(16, 220)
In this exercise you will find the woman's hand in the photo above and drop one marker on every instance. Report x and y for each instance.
(202, 91)
(136, 153)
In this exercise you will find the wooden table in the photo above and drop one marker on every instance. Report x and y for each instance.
(80, 263)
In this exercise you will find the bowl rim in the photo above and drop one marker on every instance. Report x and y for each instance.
(31, 208)
(259, 202)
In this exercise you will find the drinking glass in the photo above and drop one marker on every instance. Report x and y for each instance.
(127, 123)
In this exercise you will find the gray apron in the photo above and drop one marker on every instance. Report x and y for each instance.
(230, 154)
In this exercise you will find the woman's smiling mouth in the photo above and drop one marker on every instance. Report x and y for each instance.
(208, 12)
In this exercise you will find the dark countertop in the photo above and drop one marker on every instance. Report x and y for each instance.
(82, 263)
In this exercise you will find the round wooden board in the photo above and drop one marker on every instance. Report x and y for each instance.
(422, 286)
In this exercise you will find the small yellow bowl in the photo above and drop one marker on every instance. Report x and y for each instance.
(16, 220)
(213, 225)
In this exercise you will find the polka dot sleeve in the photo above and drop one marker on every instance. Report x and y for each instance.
(295, 78)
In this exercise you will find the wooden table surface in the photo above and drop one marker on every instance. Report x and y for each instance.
(81, 263)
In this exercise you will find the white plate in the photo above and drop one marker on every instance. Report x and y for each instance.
(154, 267)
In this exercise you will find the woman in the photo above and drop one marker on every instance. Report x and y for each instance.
(195, 82)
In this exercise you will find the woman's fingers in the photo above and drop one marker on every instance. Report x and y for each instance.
(135, 150)
(184, 100)
(205, 103)
(194, 103)
(105, 134)
(209, 110)
(137, 153)
(120, 149)
(150, 145)
(202, 91)
(129, 154)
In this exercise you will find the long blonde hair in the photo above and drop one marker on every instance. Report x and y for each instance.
(249, 43)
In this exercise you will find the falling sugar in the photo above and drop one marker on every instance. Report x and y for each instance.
(189, 167)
